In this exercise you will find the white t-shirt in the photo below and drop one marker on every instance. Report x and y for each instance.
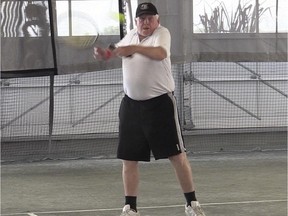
(143, 77)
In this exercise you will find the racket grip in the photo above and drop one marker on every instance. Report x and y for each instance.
(112, 47)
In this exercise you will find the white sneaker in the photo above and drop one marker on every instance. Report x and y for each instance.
(129, 212)
(194, 210)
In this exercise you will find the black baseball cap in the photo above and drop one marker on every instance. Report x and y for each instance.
(146, 8)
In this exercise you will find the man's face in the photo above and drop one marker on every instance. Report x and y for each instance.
(146, 24)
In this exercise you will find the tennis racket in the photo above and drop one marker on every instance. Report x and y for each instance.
(81, 42)
(83, 30)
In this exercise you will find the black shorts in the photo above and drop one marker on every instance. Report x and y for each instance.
(149, 126)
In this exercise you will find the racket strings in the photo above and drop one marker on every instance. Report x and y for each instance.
(81, 42)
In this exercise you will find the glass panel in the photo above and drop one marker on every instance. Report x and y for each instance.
(88, 17)
(282, 16)
(130, 11)
(62, 18)
(23, 18)
(25, 35)
(228, 16)
(225, 16)
(268, 18)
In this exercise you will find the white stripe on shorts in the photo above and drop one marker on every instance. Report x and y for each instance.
(177, 122)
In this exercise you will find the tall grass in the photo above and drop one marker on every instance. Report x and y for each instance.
(243, 20)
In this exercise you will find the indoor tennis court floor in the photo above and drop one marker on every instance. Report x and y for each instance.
(228, 184)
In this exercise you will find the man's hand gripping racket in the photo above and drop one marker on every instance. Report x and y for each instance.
(111, 51)
(104, 53)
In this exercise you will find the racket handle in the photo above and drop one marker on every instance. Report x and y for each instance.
(112, 47)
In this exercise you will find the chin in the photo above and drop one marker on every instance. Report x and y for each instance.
(146, 33)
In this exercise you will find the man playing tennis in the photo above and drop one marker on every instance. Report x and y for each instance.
(148, 113)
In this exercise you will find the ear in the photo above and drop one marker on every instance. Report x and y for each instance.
(158, 19)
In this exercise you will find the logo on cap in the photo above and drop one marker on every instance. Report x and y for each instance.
(144, 7)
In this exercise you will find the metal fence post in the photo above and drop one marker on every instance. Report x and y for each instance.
(179, 90)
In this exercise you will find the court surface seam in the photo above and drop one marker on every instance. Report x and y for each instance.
(147, 207)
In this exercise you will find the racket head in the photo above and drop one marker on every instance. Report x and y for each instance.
(80, 42)
(83, 30)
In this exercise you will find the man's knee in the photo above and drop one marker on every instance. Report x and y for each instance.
(179, 158)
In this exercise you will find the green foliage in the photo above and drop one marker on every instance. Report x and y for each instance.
(243, 20)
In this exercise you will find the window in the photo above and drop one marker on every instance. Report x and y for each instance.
(87, 17)
(228, 16)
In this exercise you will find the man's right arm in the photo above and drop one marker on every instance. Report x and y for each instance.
(156, 53)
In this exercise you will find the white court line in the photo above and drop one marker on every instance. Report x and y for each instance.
(147, 207)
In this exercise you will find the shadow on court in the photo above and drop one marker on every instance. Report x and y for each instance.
(252, 183)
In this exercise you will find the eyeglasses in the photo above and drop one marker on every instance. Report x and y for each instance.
(142, 19)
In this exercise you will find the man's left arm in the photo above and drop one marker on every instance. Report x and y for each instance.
(156, 53)
(159, 51)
